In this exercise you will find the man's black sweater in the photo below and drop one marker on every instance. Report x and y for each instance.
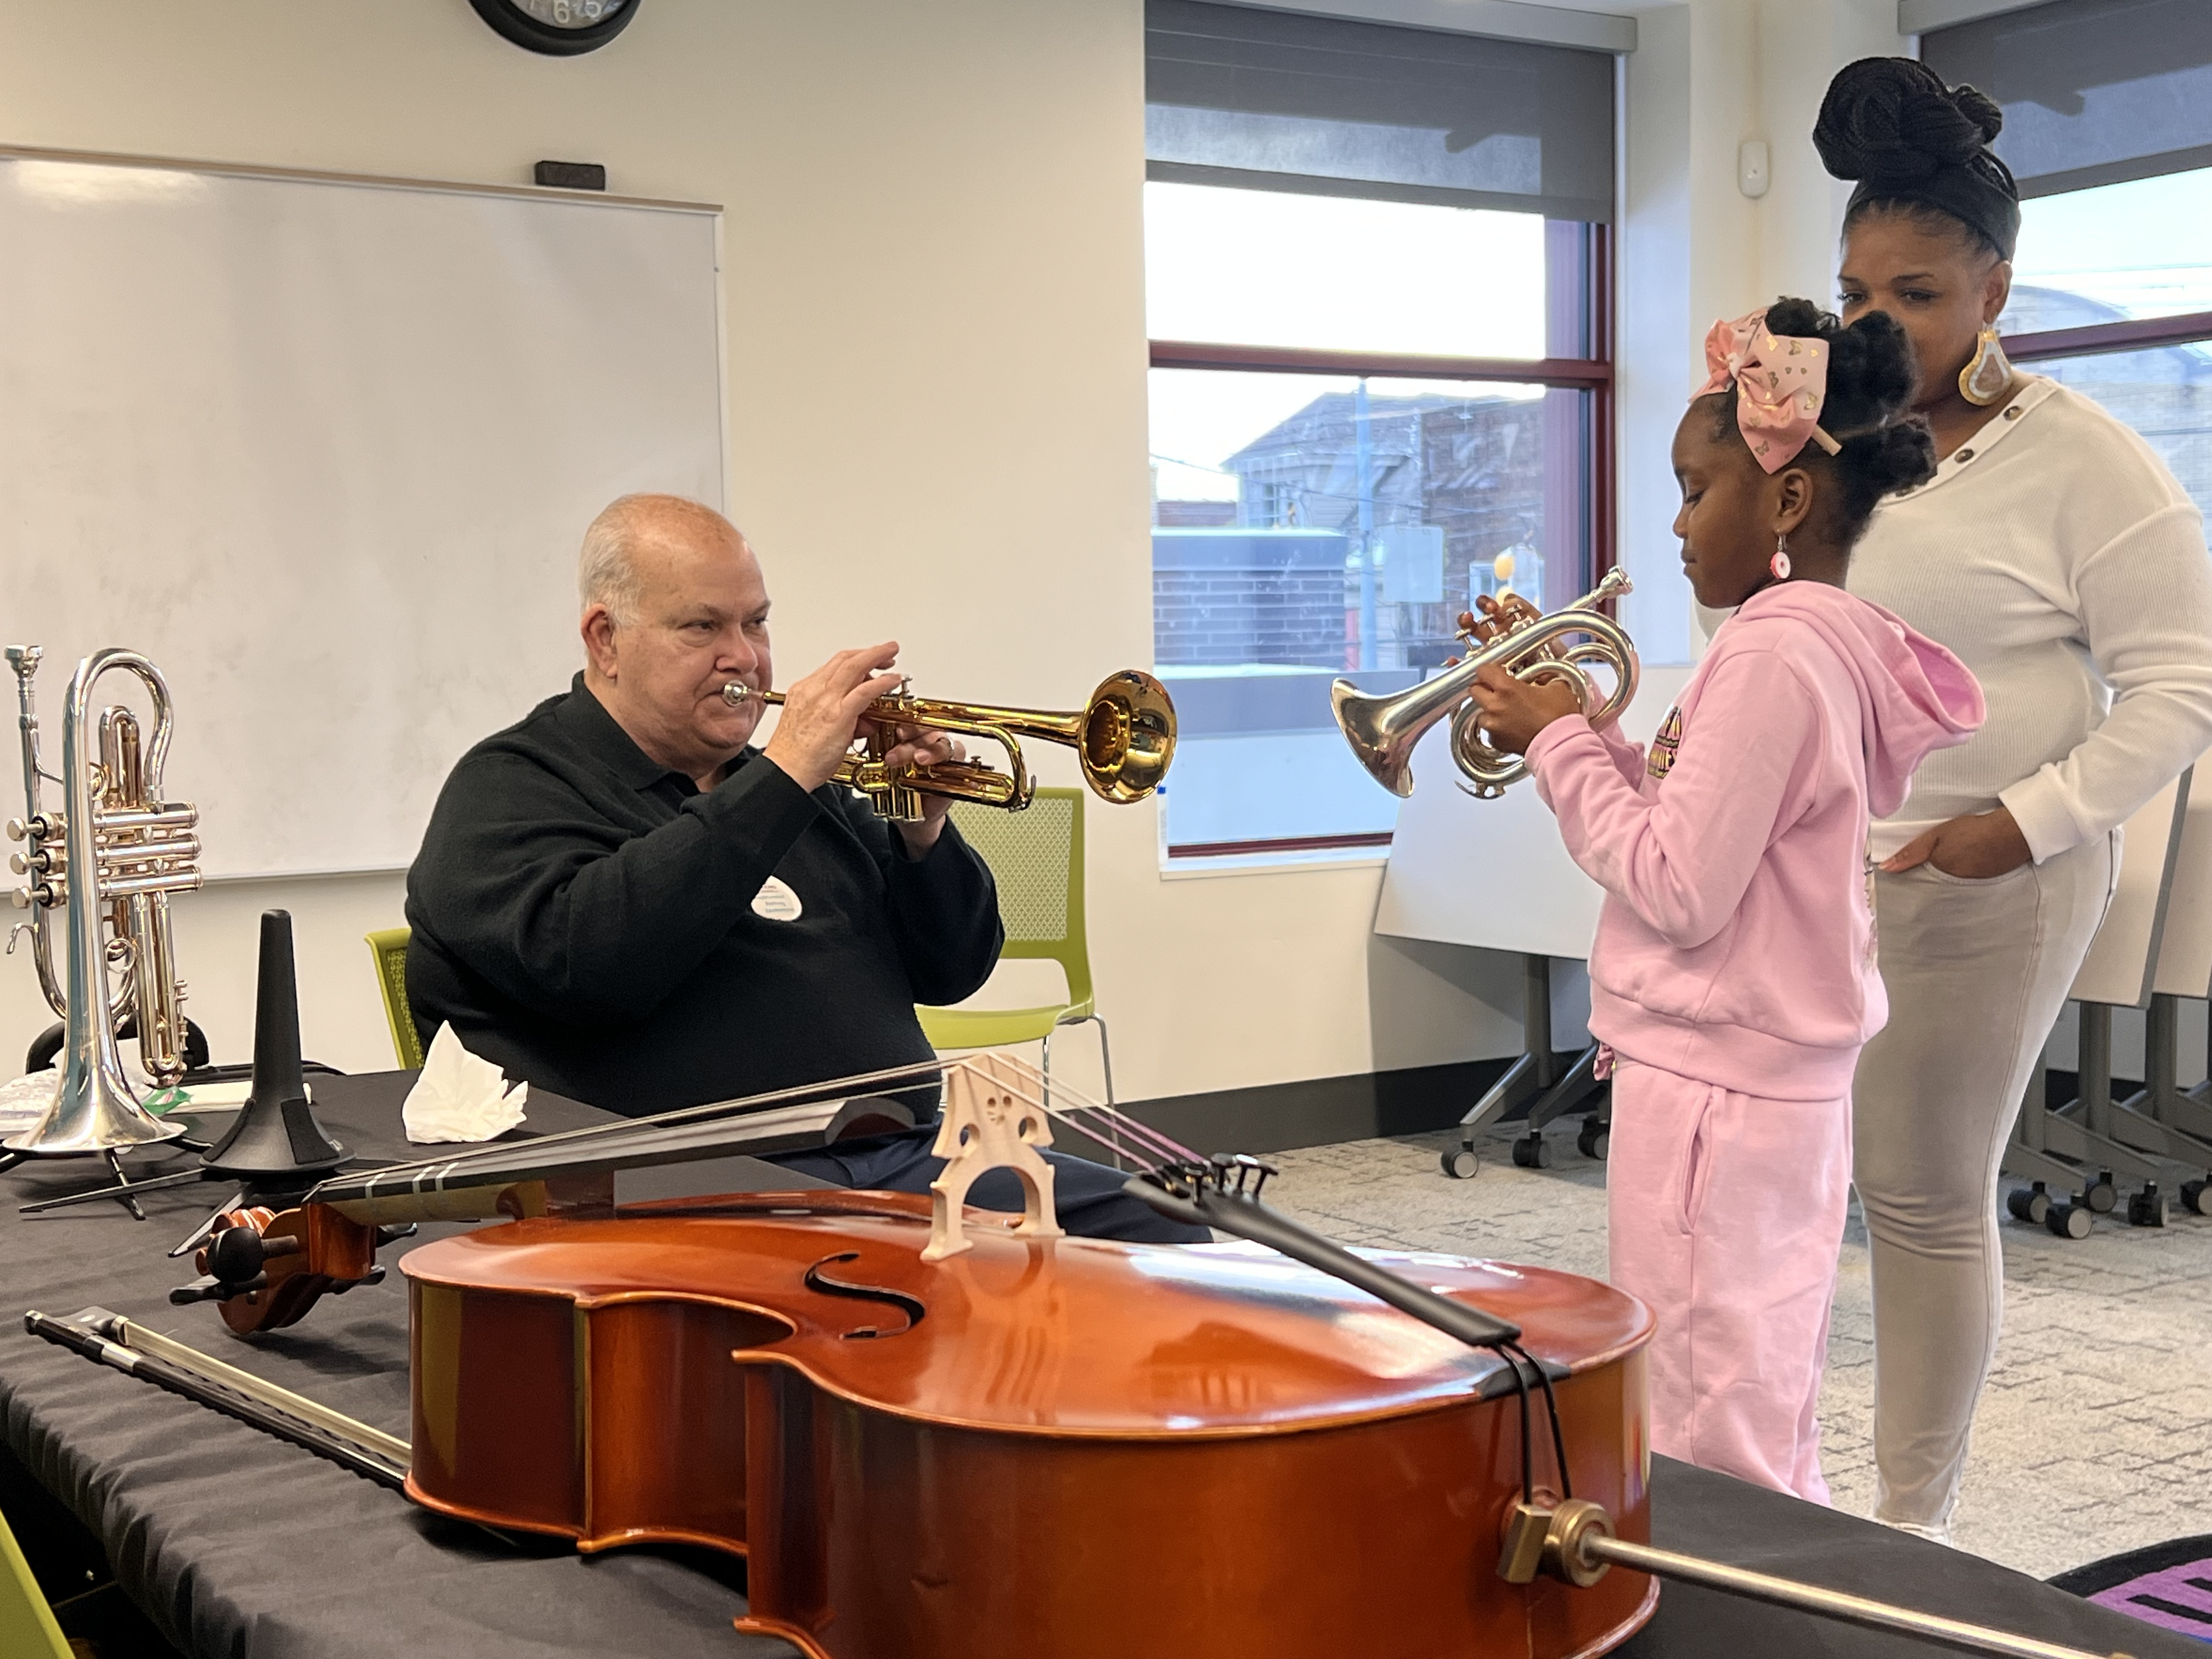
(584, 918)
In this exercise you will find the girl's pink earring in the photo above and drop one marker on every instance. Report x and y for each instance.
(1779, 564)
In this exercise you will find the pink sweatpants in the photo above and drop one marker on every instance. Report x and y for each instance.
(1726, 1215)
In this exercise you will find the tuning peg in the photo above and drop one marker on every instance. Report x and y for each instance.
(209, 1289)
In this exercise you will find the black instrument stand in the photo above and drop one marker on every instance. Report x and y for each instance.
(1540, 1080)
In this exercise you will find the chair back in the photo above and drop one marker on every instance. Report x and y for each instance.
(1037, 858)
(28, 1629)
(389, 946)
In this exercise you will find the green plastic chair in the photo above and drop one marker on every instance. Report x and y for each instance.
(1036, 858)
(28, 1627)
(389, 946)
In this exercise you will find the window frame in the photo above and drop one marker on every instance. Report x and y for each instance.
(2102, 339)
(1593, 374)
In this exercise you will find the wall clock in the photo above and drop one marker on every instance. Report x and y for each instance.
(562, 28)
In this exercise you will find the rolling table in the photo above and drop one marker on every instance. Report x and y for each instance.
(239, 1546)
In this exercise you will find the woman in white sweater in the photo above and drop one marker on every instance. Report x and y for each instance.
(2057, 555)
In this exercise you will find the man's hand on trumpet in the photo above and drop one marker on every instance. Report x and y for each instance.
(824, 712)
(920, 745)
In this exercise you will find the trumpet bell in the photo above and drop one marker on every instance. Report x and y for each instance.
(1128, 737)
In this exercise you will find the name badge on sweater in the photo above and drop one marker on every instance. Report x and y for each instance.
(777, 902)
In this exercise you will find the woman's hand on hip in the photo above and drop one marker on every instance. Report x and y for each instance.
(1977, 847)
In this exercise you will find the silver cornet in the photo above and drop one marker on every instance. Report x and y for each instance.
(108, 862)
(1383, 729)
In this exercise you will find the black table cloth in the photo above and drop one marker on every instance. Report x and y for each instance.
(240, 1546)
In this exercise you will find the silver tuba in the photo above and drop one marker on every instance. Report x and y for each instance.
(108, 862)
(1383, 729)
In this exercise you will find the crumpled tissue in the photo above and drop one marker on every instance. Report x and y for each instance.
(459, 1096)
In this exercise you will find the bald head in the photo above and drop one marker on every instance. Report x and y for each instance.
(674, 608)
(635, 532)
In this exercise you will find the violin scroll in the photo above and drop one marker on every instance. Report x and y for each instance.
(264, 1268)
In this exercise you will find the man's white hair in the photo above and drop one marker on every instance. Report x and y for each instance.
(606, 570)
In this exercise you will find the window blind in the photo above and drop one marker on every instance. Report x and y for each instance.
(2095, 92)
(1279, 101)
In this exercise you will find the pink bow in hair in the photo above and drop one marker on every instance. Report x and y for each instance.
(1781, 381)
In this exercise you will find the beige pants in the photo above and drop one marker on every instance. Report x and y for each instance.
(1976, 973)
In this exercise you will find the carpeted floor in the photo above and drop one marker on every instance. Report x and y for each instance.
(2094, 1437)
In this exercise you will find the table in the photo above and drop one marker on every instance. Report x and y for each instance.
(239, 1546)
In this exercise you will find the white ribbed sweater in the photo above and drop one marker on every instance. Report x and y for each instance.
(2061, 561)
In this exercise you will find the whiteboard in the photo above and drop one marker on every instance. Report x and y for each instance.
(1494, 873)
(324, 449)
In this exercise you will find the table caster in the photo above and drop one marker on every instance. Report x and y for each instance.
(2197, 1197)
(1532, 1152)
(2069, 1220)
(2029, 1204)
(2147, 1207)
(2100, 1194)
(1461, 1163)
(1596, 1139)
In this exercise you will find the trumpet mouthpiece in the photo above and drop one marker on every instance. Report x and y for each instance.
(736, 694)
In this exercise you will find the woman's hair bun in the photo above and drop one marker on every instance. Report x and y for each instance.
(1892, 120)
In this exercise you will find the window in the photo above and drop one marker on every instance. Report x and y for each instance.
(1377, 289)
(2108, 127)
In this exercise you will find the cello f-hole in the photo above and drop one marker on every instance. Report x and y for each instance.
(911, 1306)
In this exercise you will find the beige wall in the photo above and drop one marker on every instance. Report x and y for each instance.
(933, 240)
(932, 243)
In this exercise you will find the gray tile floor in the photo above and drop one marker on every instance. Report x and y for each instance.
(2093, 1437)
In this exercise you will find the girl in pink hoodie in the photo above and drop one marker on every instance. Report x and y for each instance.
(1733, 976)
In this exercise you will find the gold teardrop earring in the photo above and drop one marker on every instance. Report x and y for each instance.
(1988, 373)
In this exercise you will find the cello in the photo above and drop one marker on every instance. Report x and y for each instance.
(932, 1431)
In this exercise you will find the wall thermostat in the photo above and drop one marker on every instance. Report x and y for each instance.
(1755, 167)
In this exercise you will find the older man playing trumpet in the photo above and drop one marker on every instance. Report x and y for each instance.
(621, 900)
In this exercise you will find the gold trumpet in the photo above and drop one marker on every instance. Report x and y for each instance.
(1125, 737)
(1383, 729)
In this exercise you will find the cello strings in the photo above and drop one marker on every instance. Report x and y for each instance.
(1113, 1123)
(1151, 1150)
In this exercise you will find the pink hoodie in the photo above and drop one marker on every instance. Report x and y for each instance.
(1736, 942)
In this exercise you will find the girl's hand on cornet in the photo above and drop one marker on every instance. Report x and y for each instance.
(1497, 616)
(1515, 710)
